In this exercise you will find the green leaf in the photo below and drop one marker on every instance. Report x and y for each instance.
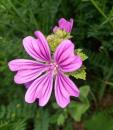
(84, 92)
(99, 121)
(79, 74)
(76, 110)
(81, 54)
(19, 125)
(61, 119)
(42, 120)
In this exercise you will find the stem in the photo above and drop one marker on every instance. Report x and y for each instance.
(16, 11)
(109, 83)
(94, 98)
(100, 11)
(13, 7)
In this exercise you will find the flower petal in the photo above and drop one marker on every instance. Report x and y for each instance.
(41, 88)
(74, 63)
(55, 29)
(64, 88)
(22, 64)
(36, 49)
(28, 84)
(27, 75)
(46, 91)
(65, 25)
(44, 47)
(65, 58)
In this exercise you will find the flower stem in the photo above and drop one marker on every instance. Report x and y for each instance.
(100, 11)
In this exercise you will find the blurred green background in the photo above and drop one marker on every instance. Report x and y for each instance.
(93, 32)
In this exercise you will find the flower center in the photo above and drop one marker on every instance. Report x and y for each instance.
(54, 68)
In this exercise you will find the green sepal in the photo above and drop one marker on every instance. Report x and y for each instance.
(56, 38)
(81, 54)
(79, 74)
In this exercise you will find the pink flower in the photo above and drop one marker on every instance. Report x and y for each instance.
(65, 25)
(39, 75)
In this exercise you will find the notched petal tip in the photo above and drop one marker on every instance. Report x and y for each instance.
(30, 94)
(40, 35)
(64, 105)
(10, 65)
(42, 104)
(44, 47)
(77, 93)
(36, 33)
(29, 100)
(64, 89)
(17, 80)
(27, 39)
(40, 89)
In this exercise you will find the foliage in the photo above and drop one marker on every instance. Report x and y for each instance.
(92, 31)
(81, 54)
(80, 74)
(76, 110)
(101, 121)
(56, 38)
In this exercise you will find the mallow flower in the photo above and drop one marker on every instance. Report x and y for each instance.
(47, 71)
(64, 25)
